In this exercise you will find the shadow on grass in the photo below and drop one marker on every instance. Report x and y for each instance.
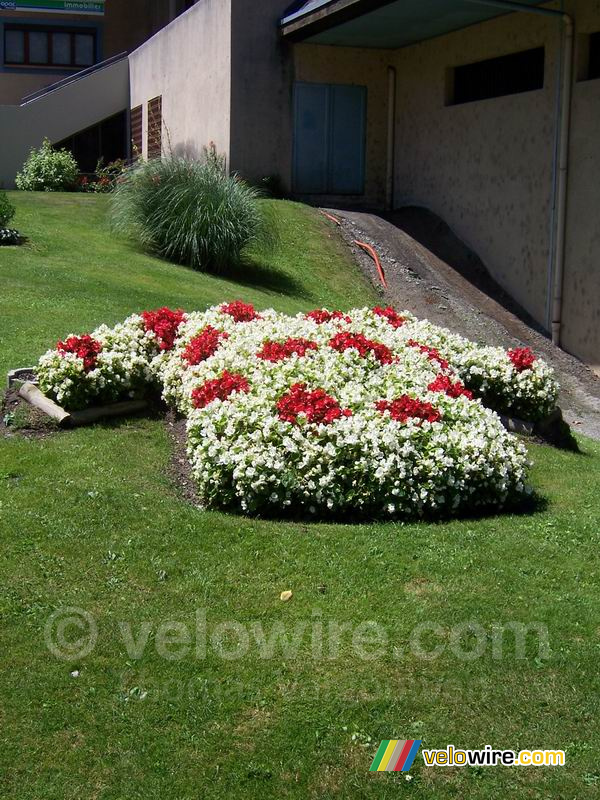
(249, 272)
(252, 274)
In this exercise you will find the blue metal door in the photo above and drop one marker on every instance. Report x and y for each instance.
(329, 138)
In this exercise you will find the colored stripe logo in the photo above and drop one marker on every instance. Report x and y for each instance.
(395, 755)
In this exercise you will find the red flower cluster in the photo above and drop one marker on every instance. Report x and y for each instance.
(404, 407)
(357, 341)
(84, 347)
(164, 323)
(219, 388)
(444, 384)
(317, 406)
(392, 316)
(277, 351)
(321, 315)
(431, 352)
(241, 312)
(522, 358)
(204, 345)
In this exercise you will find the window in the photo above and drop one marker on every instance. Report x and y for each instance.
(155, 127)
(49, 47)
(594, 64)
(106, 140)
(497, 77)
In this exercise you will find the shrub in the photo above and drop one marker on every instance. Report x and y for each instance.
(371, 412)
(7, 210)
(189, 212)
(48, 170)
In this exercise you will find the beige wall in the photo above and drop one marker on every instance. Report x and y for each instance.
(581, 310)
(350, 65)
(486, 167)
(189, 64)
(261, 91)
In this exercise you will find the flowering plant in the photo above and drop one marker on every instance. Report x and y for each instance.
(370, 412)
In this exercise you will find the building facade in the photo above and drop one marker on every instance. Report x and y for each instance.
(486, 113)
(44, 41)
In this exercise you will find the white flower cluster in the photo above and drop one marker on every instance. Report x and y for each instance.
(123, 368)
(531, 394)
(366, 460)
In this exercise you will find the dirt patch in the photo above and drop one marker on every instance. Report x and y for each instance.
(437, 277)
(179, 469)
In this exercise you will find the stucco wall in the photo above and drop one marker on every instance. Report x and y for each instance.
(581, 300)
(351, 65)
(189, 64)
(486, 167)
(261, 91)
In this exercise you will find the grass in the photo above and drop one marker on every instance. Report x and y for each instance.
(90, 519)
(74, 274)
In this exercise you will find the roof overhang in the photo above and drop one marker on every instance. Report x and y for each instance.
(385, 23)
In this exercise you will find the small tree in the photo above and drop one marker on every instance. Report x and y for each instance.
(48, 170)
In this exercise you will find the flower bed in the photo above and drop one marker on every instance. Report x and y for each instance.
(366, 412)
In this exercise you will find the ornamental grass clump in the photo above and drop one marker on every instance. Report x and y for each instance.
(189, 212)
(367, 413)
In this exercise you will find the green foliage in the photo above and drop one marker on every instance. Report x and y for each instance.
(48, 170)
(7, 210)
(190, 212)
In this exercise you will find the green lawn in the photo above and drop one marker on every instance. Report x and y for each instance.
(90, 519)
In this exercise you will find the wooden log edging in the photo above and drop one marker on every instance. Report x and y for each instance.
(38, 399)
(86, 416)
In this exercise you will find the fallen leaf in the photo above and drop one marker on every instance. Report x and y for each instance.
(285, 596)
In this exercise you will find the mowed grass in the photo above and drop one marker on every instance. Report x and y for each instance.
(91, 520)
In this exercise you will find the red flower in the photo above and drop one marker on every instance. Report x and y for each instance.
(404, 407)
(522, 358)
(392, 316)
(431, 352)
(317, 406)
(204, 345)
(84, 347)
(321, 315)
(241, 312)
(444, 384)
(219, 388)
(277, 351)
(164, 323)
(357, 341)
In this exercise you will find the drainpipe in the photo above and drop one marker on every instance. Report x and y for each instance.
(391, 138)
(563, 130)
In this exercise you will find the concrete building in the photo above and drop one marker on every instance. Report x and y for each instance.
(487, 112)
